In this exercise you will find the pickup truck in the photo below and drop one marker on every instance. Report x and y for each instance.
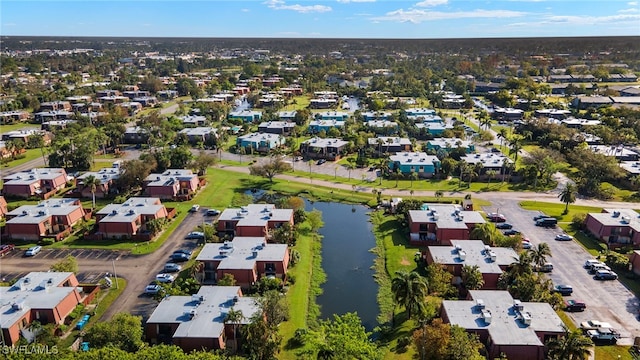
(594, 325)
(5, 249)
(605, 335)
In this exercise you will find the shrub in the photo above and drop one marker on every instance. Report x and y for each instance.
(299, 337)
(617, 261)
(578, 221)
(291, 279)
(47, 241)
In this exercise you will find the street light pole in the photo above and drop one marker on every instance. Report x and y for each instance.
(115, 275)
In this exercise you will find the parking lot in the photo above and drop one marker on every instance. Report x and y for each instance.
(60, 254)
(88, 277)
(607, 301)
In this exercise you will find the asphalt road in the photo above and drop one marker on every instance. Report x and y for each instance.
(607, 301)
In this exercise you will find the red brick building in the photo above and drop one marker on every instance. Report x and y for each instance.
(173, 184)
(253, 220)
(47, 297)
(505, 325)
(197, 322)
(615, 227)
(438, 224)
(246, 258)
(491, 262)
(129, 218)
(106, 176)
(50, 218)
(41, 182)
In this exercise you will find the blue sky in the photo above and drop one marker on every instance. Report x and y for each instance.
(321, 19)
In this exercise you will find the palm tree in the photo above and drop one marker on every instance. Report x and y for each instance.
(413, 176)
(381, 166)
(410, 291)
(539, 254)
(471, 277)
(485, 232)
(463, 167)
(92, 182)
(490, 174)
(502, 135)
(439, 194)
(568, 195)
(521, 265)
(515, 145)
(572, 346)
(351, 164)
(234, 317)
(397, 173)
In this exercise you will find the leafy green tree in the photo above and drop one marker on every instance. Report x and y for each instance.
(342, 337)
(270, 169)
(314, 218)
(68, 264)
(472, 277)
(227, 280)
(202, 162)
(123, 331)
(410, 290)
(568, 195)
(539, 254)
(234, 317)
(440, 341)
(92, 183)
(261, 342)
(439, 281)
(572, 346)
(486, 232)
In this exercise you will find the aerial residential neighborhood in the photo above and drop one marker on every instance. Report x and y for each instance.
(240, 198)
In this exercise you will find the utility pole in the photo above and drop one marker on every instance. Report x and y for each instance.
(115, 275)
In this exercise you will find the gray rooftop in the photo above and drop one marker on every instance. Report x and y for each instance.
(632, 167)
(258, 137)
(35, 214)
(618, 217)
(208, 316)
(277, 125)
(413, 158)
(242, 253)
(192, 119)
(389, 140)
(446, 216)
(199, 131)
(449, 143)
(324, 123)
(36, 174)
(616, 151)
(506, 326)
(169, 177)
(475, 253)
(104, 175)
(381, 123)
(36, 290)
(256, 215)
(326, 142)
(488, 160)
(130, 209)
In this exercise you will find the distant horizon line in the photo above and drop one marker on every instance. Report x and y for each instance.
(311, 38)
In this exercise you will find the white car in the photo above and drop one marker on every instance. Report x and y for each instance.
(165, 278)
(194, 208)
(526, 245)
(33, 251)
(589, 263)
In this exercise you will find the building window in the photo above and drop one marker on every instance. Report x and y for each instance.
(270, 268)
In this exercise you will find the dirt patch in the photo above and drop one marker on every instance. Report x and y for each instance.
(404, 262)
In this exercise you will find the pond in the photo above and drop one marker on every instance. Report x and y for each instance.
(347, 261)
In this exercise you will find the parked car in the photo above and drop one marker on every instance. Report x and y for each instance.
(511, 232)
(540, 217)
(504, 226)
(33, 251)
(152, 289)
(171, 267)
(598, 267)
(165, 278)
(526, 245)
(321, 161)
(184, 251)
(603, 335)
(564, 237)
(563, 289)
(194, 208)
(212, 212)
(180, 257)
(6, 248)
(495, 217)
(574, 305)
(605, 275)
(594, 324)
(547, 222)
(590, 262)
(197, 235)
(547, 267)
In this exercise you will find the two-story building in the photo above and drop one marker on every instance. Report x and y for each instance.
(517, 329)
(260, 142)
(448, 144)
(52, 218)
(46, 297)
(438, 224)
(491, 261)
(198, 322)
(106, 176)
(129, 219)
(277, 127)
(390, 144)
(173, 184)
(323, 148)
(615, 227)
(316, 126)
(332, 115)
(246, 116)
(490, 161)
(247, 259)
(40, 182)
(253, 220)
(201, 134)
(414, 162)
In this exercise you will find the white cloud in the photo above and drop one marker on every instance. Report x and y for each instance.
(355, 1)
(9, 24)
(429, 3)
(573, 20)
(280, 5)
(417, 16)
(245, 10)
(632, 3)
(631, 10)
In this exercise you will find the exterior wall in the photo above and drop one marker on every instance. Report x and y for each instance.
(65, 307)
(24, 231)
(251, 231)
(117, 229)
(445, 236)
(490, 281)
(162, 192)
(21, 190)
(635, 262)
(520, 352)
(244, 277)
(189, 344)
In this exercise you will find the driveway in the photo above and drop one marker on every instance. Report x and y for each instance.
(607, 301)
(94, 264)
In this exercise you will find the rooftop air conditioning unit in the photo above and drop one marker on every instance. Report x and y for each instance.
(486, 316)
(492, 256)
(462, 255)
(517, 304)
(626, 219)
(526, 318)
(480, 303)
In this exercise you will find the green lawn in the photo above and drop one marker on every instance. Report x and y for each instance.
(556, 209)
(19, 126)
(30, 154)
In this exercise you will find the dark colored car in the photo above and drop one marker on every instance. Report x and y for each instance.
(541, 216)
(197, 235)
(184, 251)
(179, 257)
(574, 305)
(605, 275)
(512, 232)
(504, 226)
(321, 161)
(564, 290)
(212, 212)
